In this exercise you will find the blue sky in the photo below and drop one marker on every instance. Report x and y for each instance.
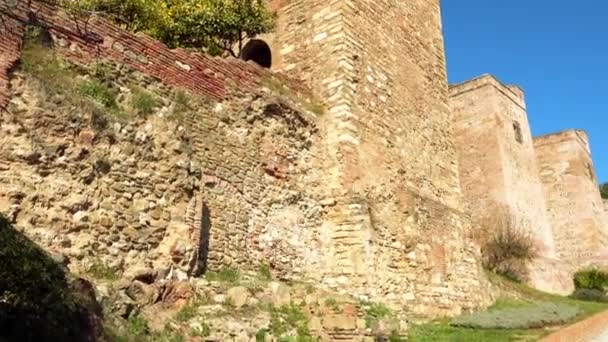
(557, 51)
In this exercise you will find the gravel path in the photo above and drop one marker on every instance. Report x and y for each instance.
(602, 337)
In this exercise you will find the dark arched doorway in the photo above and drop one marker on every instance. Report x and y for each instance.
(258, 51)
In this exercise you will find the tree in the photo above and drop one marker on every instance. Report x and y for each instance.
(218, 24)
(604, 190)
(215, 26)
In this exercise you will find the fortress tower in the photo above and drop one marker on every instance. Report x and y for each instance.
(498, 167)
(574, 203)
(397, 229)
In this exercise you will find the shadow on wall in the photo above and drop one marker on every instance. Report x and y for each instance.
(203, 251)
(38, 301)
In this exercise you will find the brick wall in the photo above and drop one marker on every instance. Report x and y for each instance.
(100, 39)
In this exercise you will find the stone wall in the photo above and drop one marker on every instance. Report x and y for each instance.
(227, 185)
(497, 161)
(92, 38)
(364, 198)
(398, 225)
(570, 186)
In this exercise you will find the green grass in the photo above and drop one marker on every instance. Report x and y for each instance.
(99, 92)
(142, 102)
(225, 274)
(442, 330)
(100, 270)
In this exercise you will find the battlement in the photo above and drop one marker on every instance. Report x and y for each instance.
(579, 136)
(512, 92)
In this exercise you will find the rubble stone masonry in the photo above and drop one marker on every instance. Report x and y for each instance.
(379, 195)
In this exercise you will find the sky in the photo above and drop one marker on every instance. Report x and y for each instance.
(556, 50)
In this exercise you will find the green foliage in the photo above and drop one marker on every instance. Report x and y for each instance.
(591, 279)
(217, 24)
(225, 274)
(442, 331)
(288, 318)
(395, 337)
(212, 25)
(137, 326)
(36, 300)
(99, 92)
(260, 335)
(186, 313)
(100, 270)
(604, 190)
(264, 273)
(527, 317)
(204, 331)
(374, 312)
(181, 105)
(142, 102)
(590, 295)
(39, 62)
(508, 252)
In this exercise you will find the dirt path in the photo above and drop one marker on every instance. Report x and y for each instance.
(593, 329)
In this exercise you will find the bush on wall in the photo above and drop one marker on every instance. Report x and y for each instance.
(508, 251)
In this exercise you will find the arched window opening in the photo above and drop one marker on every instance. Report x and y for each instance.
(258, 51)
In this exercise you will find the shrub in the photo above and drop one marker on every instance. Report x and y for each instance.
(225, 274)
(508, 251)
(142, 102)
(100, 270)
(528, 317)
(99, 92)
(591, 279)
(604, 190)
(590, 295)
(264, 273)
(374, 313)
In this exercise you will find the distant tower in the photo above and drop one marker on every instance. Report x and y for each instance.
(498, 167)
(571, 190)
(390, 164)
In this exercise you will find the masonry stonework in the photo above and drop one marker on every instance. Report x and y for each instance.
(380, 69)
(497, 160)
(574, 204)
(378, 196)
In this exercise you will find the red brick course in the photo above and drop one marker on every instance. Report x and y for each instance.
(99, 38)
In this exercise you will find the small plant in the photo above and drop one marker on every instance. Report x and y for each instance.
(100, 270)
(99, 92)
(225, 274)
(264, 273)
(591, 279)
(186, 313)
(260, 336)
(137, 326)
(332, 304)
(374, 313)
(508, 252)
(287, 318)
(142, 102)
(202, 331)
(181, 105)
(590, 295)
